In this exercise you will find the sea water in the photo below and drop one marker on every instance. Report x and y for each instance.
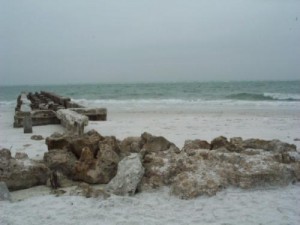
(162, 96)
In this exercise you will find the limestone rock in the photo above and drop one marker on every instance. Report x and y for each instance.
(195, 144)
(273, 145)
(4, 192)
(222, 143)
(154, 143)
(98, 170)
(129, 174)
(61, 161)
(58, 141)
(21, 173)
(131, 145)
(90, 139)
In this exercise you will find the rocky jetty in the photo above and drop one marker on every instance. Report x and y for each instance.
(149, 162)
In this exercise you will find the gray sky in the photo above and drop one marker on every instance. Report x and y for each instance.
(72, 41)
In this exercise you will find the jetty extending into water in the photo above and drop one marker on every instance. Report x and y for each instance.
(45, 108)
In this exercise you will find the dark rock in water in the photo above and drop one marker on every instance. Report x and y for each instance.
(4, 192)
(37, 137)
(21, 173)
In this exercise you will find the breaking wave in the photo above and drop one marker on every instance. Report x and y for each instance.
(264, 97)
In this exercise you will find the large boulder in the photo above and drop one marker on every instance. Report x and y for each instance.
(129, 174)
(21, 173)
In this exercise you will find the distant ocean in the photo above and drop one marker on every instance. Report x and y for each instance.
(169, 94)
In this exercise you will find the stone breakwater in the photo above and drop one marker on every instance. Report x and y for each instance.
(149, 162)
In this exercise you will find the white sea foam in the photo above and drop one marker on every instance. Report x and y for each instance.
(281, 96)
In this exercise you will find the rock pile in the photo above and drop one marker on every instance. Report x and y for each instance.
(149, 162)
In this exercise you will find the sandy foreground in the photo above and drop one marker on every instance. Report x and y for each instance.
(232, 206)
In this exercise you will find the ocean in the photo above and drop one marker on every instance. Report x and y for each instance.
(161, 96)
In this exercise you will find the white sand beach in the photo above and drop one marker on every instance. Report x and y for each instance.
(232, 206)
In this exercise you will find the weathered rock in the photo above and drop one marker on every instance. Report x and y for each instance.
(273, 145)
(4, 192)
(195, 144)
(100, 170)
(222, 142)
(131, 145)
(37, 137)
(188, 185)
(61, 161)
(160, 168)
(21, 155)
(21, 173)
(58, 141)
(90, 139)
(129, 174)
(110, 143)
(155, 144)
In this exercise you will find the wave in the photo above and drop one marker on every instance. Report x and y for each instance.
(264, 97)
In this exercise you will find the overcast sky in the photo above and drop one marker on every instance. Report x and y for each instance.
(72, 41)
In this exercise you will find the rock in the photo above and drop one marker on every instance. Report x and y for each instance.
(90, 139)
(222, 142)
(4, 192)
(98, 170)
(21, 155)
(58, 141)
(61, 161)
(21, 173)
(273, 145)
(195, 144)
(160, 168)
(129, 174)
(131, 145)
(187, 185)
(37, 137)
(155, 144)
